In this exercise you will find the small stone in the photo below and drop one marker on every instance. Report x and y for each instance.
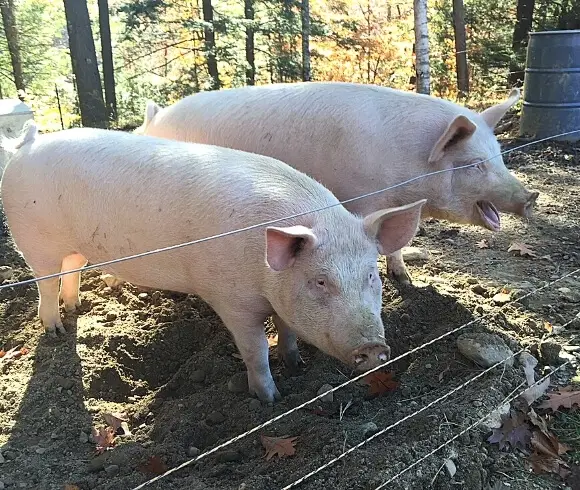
(471, 280)
(2, 486)
(477, 403)
(215, 418)
(65, 383)
(112, 470)
(143, 296)
(484, 349)
(156, 296)
(40, 450)
(569, 295)
(550, 352)
(428, 366)
(501, 299)
(228, 456)
(193, 452)
(5, 272)
(238, 383)
(2, 460)
(479, 289)
(329, 398)
(571, 348)
(111, 281)
(111, 316)
(405, 318)
(54, 435)
(198, 376)
(83, 437)
(414, 254)
(254, 405)
(369, 429)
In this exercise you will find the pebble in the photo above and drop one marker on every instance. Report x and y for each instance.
(405, 318)
(484, 349)
(111, 281)
(197, 376)
(478, 289)
(193, 452)
(369, 429)
(428, 366)
(413, 254)
(501, 299)
(111, 316)
(5, 272)
(2, 460)
(569, 295)
(228, 456)
(550, 352)
(112, 470)
(40, 450)
(54, 435)
(83, 437)
(65, 383)
(215, 418)
(238, 383)
(477, 403)
(471, 280)
(2, 486)
(143, 296)
(254, 405)
(329, 398)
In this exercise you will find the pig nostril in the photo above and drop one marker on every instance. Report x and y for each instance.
(360, 359)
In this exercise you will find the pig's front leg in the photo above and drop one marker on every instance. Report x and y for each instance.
(253, 346)
(287, 344)
(396, 268)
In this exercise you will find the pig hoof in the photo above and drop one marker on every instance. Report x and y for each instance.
(292, 360)
(402, 277)
(266, 394)
(70, 307)
(52, 329)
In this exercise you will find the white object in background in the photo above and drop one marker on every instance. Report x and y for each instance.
(13, 114)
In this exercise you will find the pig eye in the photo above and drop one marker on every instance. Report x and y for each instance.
(321, 282)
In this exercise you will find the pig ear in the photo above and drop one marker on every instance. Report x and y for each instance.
(150, 110)
(459, 129)
(492, 115)
(284, 244)
(395, 227)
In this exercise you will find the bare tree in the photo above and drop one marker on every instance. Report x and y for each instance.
(9, 22)
(84, 64)
(250, 54)
(209, 35)
(524, 17)
(305, 13)
(460, 47)
(422, 46)
(107, 54)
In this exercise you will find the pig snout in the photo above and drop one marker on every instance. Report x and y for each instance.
(370, 355)
(528, 207)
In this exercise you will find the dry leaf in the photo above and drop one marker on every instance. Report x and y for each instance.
(279, 446)
(104, 438)
(117, 421)
(483, 244)
(451, 468)
(564, 397)
(13, 353)
(547, 452)
(71, 487)
(272, 341)
(548, 326)
(380, 382)
(522, 248)
(154, 465)
(514, 431)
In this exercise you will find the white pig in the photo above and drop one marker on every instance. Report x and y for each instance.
(355, 139)
(94, 195)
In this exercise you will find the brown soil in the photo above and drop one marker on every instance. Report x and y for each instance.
(165, 359)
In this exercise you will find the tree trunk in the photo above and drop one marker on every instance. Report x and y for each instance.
(9, 22)
(421, 46)
(305, 12)
(460, 48)
(209, 35)
(84, 64)
(250, 56)
(524, 17)
(107, 54)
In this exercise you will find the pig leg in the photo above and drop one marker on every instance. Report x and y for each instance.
(396, 268)
(287, 345)
(69, 289)
(250, 338)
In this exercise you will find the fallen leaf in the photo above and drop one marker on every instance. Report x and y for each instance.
(548, 327)
(117, 421)
(24, 351)
(13, 353)
(451, 468)
(514, 432)
(562, 398)
(532, 393)
(522, 248)
(278, 446)
(104, 438)
(380, 382)
(153, 465)
(272, 341)
(71, 487)
(547, 452)
(483, 244)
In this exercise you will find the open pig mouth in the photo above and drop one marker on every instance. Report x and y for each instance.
(489, 215)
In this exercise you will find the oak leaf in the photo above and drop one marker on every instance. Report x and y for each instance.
(483, 244)
(117, 421)
(522, 248)
(380, 382)
(514, 432)
(104, 438)
(547, 451)
(278, 446)
(153, 465)
(564, 397)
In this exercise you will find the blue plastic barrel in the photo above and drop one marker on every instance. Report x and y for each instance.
(551, 101)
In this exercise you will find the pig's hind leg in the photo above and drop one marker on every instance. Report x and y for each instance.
(287, 344)
(396, 268)
(70, 283)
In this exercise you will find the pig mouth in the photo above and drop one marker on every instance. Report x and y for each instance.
(489, 215)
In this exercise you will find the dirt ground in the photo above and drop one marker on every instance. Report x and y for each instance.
(165, 360)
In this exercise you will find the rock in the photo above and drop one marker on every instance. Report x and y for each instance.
(215, 418)
(198, 376)
(193, 452)
(112, 470)
(83, 437)
(369, 429)
(2, 486)
(405, 318)
(40, 450)
(471, 280)
(329, 398)
(111, 316)
(98, 463)
(228, 456)
(415, 254)
(569, 295)
(501, 299)
(254, 405)
(484, 349)
(238, 383)
(550, 352)
(477, 403)
(65, 383)
(143, 296)
(2, 460)
(111, 281)
(5, 272)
